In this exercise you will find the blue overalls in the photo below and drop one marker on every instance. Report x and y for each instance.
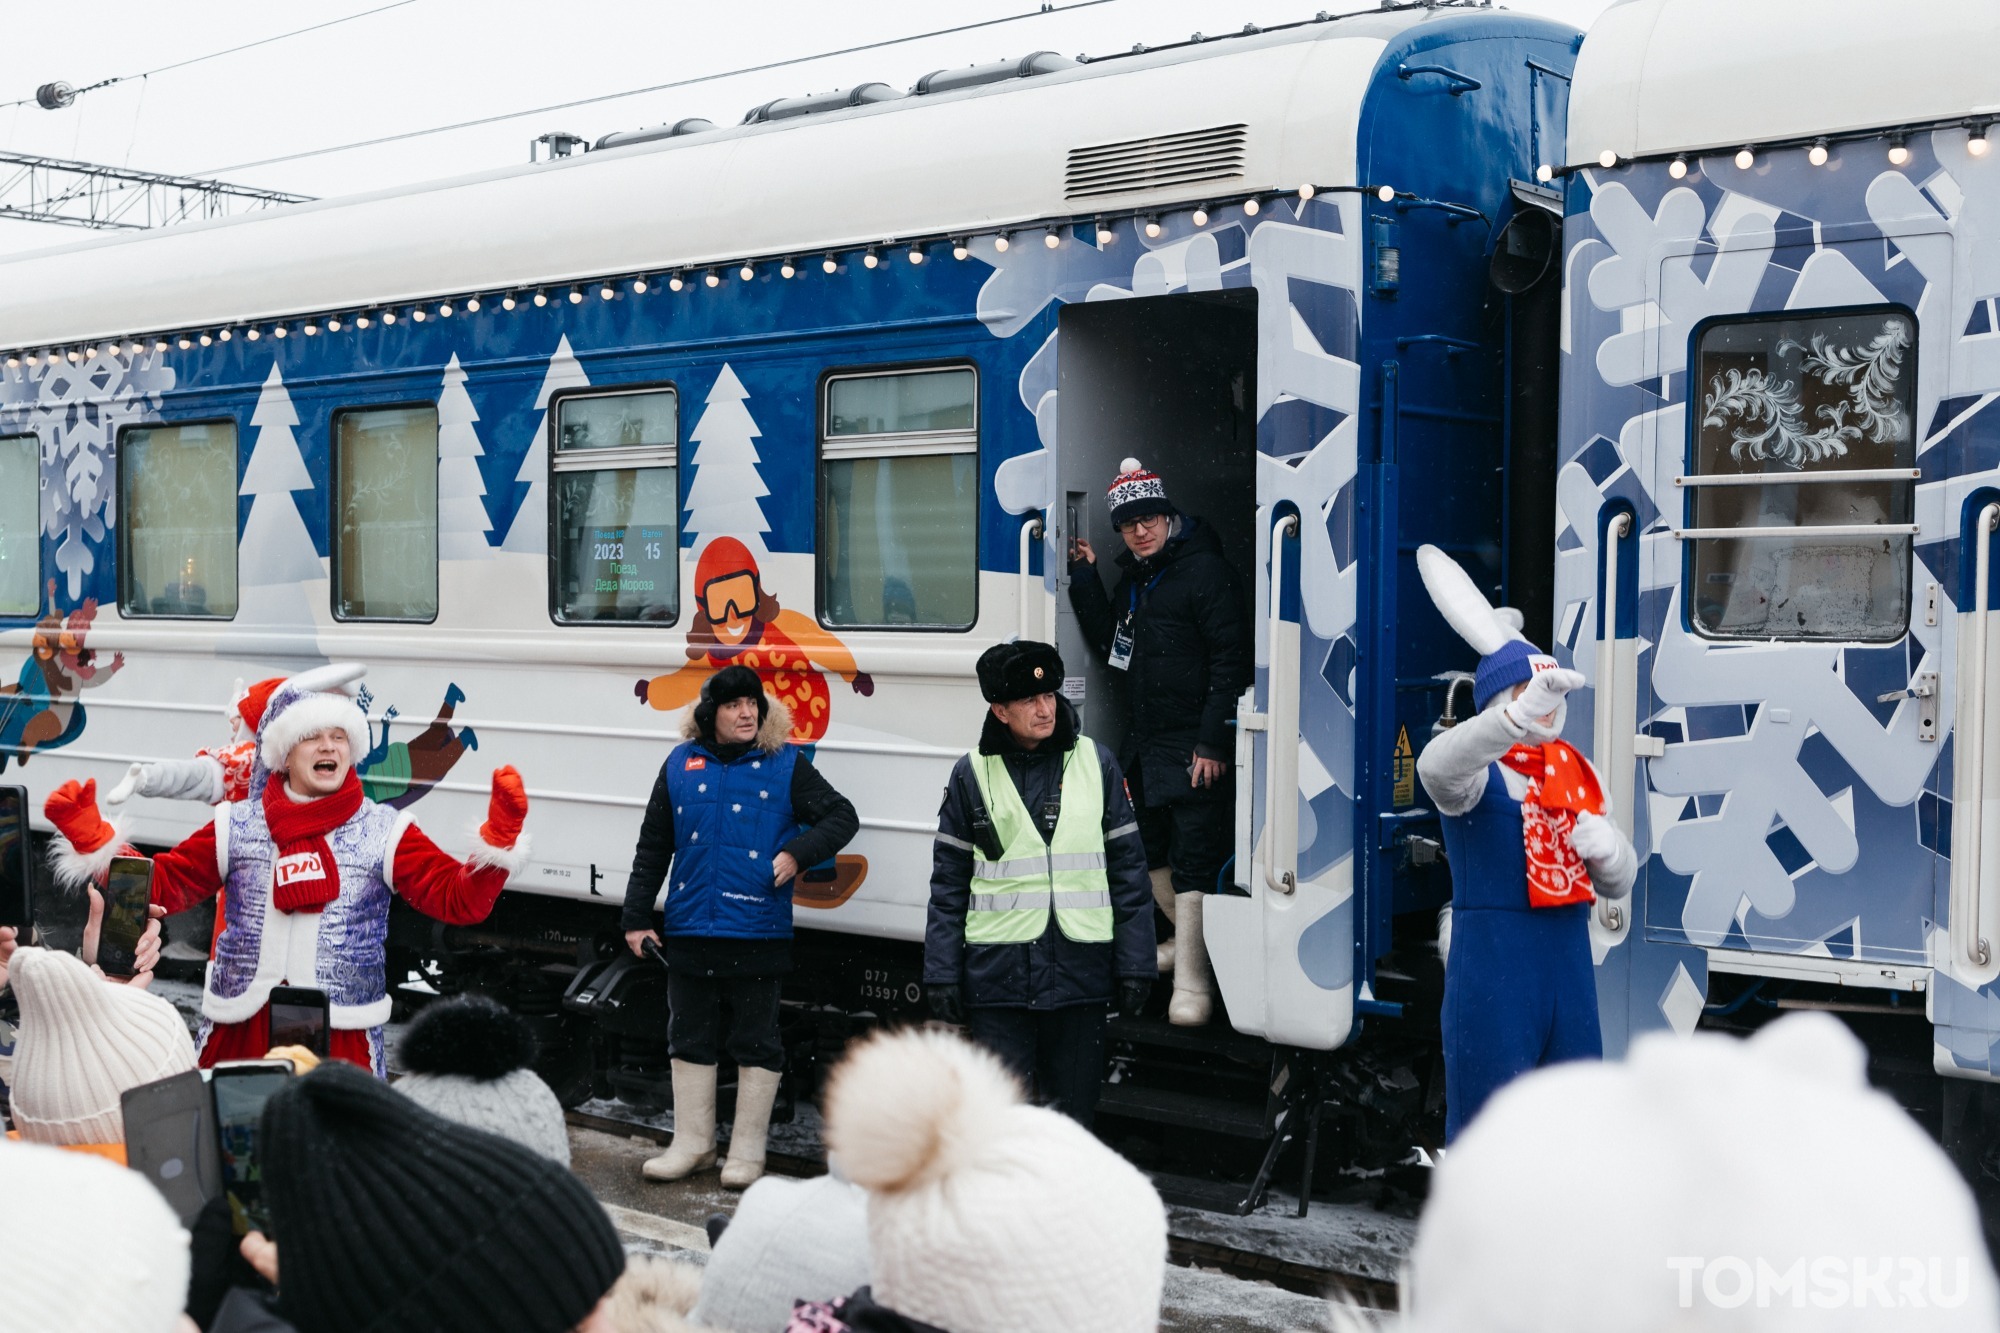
(1519, 989)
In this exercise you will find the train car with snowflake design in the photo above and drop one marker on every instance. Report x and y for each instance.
(1778, 498)
(828, 392)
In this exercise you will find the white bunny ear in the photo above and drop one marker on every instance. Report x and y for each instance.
(1461, 603)
(1513, 620)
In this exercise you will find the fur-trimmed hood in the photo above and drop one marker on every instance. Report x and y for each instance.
(656, 1295)
(775, 731)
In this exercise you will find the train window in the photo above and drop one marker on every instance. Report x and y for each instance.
(617, 540)
(385, 550)
(177, 520)
(1804, 476)
(899, 499)
(20, 525)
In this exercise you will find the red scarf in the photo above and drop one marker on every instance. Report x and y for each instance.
(1560, 786)
(304, 877)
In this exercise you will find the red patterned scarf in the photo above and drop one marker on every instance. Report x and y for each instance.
(304, 877)
(1561, 785)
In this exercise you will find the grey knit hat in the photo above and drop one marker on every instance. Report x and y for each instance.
(790, 1239)
(467, 1060)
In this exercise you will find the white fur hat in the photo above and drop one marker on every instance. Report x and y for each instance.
(1689, 1186)
(310, 702)
(91, 1247)
(83, 1041)
(986, 1215)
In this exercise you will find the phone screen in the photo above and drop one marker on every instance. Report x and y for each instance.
(240, 1095)
(127, 894)
(298, 1018)
(16, 873)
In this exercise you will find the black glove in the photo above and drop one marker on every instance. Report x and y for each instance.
(947, 1005)
(1133, 992)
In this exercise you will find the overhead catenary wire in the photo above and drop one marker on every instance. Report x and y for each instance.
(215, 55)
(1043, 11)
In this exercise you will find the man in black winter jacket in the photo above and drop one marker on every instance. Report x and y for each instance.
(1175, 625)
(1040, 914)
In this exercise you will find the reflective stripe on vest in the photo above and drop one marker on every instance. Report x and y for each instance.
(1012, 897)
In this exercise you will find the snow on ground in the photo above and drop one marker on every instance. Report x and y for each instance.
(1339, 1237)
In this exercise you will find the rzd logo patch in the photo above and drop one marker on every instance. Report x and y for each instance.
(694, 761)
(299, 866)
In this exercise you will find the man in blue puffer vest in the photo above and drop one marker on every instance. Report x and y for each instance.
(737, 813)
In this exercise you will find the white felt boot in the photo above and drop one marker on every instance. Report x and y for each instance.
(756, 1090)
(693, 1148)
(1163, 896)
(1192, 1002)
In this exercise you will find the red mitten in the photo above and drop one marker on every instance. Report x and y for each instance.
(72, 808)
(506, 809)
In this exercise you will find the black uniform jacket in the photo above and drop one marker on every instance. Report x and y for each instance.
(1051, 972)
(1190, 657)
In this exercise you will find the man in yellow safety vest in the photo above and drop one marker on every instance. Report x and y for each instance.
(1041, 914)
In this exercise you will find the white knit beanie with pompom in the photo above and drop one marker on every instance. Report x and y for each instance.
(1702, 1183)
(986, 1215)
(82, 1042)
(90, 1247)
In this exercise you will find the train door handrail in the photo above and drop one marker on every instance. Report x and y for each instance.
(1614, 760)
(1031, 529)
(1969, 787)
(1281, 736)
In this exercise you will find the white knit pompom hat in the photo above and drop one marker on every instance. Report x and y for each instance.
(82, 1042)
(90, 1247)
(1595, 1197)
(986, 1215)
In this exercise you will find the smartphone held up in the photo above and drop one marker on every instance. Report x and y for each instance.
(16, 860)
(128, 896)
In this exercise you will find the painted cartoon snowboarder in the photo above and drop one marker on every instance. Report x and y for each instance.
(397, 773)
(40, 711)
(736, 621)
(1528, 841)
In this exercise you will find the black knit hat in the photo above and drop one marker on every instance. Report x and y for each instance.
(391, 1218)
(732, 682)
(1019, 670)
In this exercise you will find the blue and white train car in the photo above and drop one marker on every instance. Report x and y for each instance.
(827, 392)
(1779, 491)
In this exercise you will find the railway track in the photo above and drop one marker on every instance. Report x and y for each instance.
(1238, 1261)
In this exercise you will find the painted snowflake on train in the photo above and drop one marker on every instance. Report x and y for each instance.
(77, 409)
(1790, 768)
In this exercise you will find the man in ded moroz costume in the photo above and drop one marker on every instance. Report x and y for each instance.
(309, 864)
(1530, 847)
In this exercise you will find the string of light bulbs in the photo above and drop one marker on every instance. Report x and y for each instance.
(1819, 148)
(914, 249)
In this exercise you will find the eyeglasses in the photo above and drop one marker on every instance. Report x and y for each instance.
(1149, 522)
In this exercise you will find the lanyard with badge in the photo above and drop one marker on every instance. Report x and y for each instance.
(1123, 636)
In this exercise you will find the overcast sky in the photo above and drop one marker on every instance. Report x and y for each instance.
(426, 63)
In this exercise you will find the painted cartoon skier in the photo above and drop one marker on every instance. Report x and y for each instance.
(737, 621)
(397, 773)
(40, 711)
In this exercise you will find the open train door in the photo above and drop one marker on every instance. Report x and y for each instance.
(1173, 382)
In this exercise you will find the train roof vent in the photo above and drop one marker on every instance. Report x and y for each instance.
(973, 76)
(1186, 158)
(786, 108)
(620, 138)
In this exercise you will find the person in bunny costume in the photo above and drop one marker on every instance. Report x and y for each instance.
(308, 864)
(1530, 848)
